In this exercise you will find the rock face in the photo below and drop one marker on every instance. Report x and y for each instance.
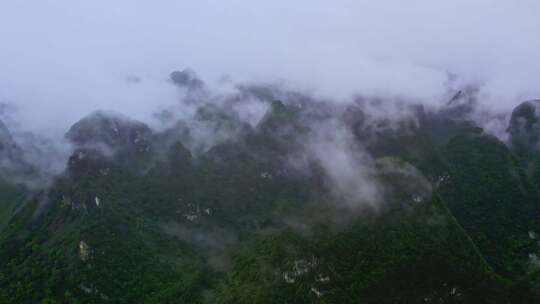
(524, 127)
(84, 251)
(108, 130)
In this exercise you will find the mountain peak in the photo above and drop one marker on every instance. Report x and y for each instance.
(524, 126)
(108, 128)
(186, 78)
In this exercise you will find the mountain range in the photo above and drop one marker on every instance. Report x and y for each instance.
(314, 203)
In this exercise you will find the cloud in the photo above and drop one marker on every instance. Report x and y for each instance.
(62, 59)
(349, 168)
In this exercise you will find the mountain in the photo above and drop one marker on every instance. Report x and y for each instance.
(110, 131)
(314, 203)
(104, 139)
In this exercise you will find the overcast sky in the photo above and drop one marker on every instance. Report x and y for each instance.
(60, 59)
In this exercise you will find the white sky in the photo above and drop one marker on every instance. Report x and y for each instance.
(60, 59)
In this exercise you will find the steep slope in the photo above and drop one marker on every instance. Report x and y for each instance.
(493, 199)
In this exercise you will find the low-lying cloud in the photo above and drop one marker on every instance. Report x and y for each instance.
(61, 60)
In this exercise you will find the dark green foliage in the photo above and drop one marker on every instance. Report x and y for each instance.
(424, 256)
(490, 195)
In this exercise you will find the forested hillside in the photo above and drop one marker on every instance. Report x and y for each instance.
(316, 203)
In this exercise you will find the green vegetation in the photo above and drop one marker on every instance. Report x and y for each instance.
(455, 221)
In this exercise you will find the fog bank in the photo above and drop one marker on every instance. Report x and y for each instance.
(61, 59)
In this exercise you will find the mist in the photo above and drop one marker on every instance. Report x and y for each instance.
(61, 60)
